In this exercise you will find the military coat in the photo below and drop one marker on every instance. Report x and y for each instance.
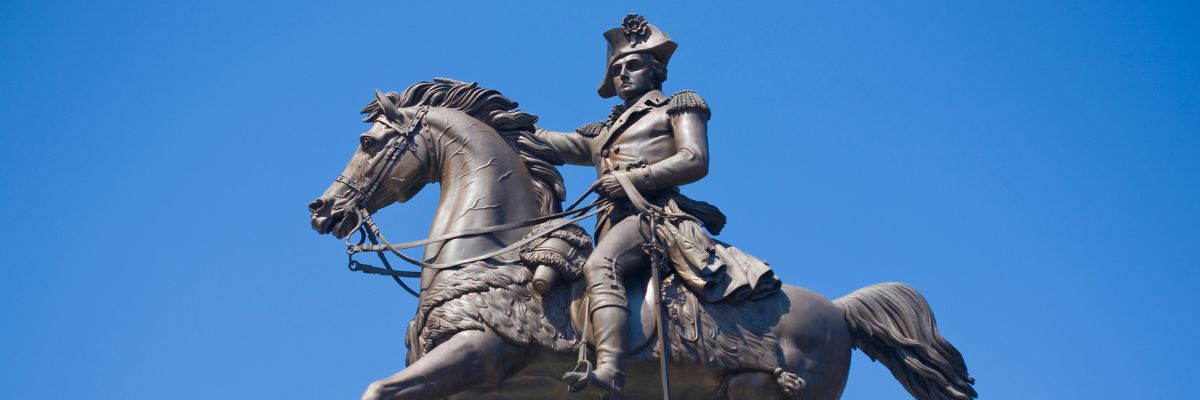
(662, 143)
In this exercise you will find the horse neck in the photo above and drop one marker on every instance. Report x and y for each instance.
(483, 183)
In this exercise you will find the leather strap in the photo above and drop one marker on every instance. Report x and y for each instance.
(634, 196)
(468, 232)
(359, 248)
(641, 204)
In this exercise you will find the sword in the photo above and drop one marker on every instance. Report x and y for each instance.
(657, 251)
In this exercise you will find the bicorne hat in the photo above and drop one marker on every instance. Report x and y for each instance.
(634, 36)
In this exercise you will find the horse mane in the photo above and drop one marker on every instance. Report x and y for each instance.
(498, 112)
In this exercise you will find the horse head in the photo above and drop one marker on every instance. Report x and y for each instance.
(484, 152)
(387, 167)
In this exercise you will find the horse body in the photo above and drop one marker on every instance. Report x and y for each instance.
(813, 342)
(538, 373)
(489, 176)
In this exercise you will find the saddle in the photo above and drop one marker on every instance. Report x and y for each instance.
(724, 335)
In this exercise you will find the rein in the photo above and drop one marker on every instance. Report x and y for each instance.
(369, 231)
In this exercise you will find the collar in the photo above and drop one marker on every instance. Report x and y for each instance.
(653, 98)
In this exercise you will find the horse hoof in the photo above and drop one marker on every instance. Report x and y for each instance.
(790, 384)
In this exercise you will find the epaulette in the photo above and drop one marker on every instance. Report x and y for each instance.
(590, 130)
(688, 100)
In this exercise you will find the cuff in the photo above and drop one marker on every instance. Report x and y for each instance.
(643, 178)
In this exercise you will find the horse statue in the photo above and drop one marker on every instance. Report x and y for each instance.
(483, 331)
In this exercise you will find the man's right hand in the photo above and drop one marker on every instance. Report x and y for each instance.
(609, 187)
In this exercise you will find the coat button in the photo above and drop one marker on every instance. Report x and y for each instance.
(604, 153)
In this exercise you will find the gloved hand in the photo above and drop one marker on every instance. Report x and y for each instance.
(609, 186)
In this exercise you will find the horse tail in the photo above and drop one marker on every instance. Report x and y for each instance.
(892, 324)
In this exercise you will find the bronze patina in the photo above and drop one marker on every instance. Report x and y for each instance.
(513, 292)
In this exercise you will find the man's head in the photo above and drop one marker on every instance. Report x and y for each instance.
(635, 38)
(635, 74)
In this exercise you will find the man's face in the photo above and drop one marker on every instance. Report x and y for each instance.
(632, 76)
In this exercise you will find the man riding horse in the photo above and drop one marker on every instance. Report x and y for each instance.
(643, 152)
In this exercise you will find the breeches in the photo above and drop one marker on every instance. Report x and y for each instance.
(619, 253)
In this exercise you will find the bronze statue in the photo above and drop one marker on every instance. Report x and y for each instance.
(656, 143)
(512, 292)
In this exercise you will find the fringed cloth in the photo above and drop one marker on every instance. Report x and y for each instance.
(714, 270)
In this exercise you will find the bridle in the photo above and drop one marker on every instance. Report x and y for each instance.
(364, 192)
(392, 152)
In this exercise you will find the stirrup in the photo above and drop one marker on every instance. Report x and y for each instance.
(587, 376)
(587, 370)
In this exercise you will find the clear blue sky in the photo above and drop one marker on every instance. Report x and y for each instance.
(1033, 168)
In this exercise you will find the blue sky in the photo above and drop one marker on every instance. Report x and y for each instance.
(1032, 168)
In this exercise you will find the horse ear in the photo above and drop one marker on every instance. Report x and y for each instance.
(386, 105)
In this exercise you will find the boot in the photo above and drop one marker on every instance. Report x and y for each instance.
(609, 326)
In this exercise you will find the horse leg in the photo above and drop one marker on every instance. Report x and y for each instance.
(755, 385)
(815, 343)
(469, 358)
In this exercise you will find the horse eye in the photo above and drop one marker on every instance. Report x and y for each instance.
(367, 141)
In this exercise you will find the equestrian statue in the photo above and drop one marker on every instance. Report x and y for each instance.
(515, 296)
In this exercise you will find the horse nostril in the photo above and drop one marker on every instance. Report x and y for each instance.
(316, 205)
